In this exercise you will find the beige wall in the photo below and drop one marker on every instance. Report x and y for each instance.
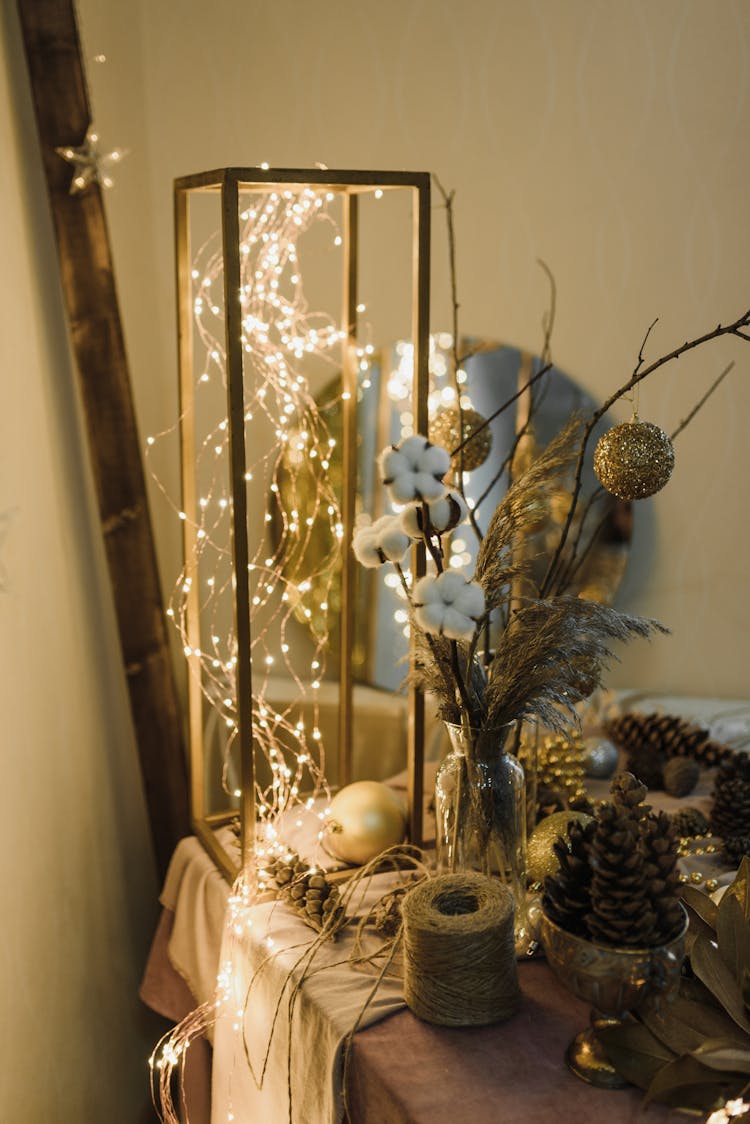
(76, 870)
(607, 138)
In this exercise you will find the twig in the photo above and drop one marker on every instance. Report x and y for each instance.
(702, 401)
(501, 409)
(574, 562)
(637, 377)
(548, 320)
(458, 675)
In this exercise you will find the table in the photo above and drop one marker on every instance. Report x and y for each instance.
(402, 1071)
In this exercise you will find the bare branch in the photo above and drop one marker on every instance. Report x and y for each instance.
(548, 320)
(702, 401)
(637, 377)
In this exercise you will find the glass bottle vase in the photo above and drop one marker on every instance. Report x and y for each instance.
(480, 809)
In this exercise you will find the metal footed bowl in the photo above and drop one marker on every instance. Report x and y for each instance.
(614, 981)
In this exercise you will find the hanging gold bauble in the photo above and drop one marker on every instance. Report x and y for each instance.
(445, 430)
(634, 460)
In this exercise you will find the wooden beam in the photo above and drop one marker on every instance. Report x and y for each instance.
(58, 86)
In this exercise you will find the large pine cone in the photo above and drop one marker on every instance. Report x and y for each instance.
(622, 912)
(566, 899)
(735, 847)
(690, 822)
(730, 813)
(651, 739)
(661, 876)
(307, 890)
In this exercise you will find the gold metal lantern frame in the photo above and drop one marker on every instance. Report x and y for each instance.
(229, 187)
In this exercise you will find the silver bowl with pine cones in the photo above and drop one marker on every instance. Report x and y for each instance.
(613, 927)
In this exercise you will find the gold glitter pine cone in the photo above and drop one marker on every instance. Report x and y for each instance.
(445, 430)
(634, 460)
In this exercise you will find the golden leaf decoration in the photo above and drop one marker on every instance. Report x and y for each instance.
(687, 1083)
(710, 967)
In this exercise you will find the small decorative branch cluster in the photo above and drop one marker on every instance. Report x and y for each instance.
(550, 654)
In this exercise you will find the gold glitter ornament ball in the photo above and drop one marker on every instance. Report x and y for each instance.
(541, 859)
(445, 430)
(634, 460)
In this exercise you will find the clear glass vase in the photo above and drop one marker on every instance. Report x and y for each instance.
(480, 808)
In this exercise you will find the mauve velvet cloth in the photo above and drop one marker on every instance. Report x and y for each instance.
(404, 1071)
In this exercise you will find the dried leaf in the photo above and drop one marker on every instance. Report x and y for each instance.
(634, 1051)
(683, 1025)
(700, 904)
(697, 992)
(687, 1083)
(733, 934)
(740, 888)
(724, 1054)
(709, 966)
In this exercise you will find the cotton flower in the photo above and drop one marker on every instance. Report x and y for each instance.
(414, 470)
(381, 541)
(448, 604)
(442, 515)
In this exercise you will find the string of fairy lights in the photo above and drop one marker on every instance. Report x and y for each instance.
(289, 447)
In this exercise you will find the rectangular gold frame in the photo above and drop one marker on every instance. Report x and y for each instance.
(349, 184)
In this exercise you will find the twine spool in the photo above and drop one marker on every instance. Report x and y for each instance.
(459, 954)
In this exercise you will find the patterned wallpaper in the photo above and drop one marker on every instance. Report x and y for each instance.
(608, 138)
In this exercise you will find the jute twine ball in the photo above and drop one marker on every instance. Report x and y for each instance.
(634, 460)
(459, 954)
(445, 430)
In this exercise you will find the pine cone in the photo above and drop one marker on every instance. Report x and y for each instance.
(621, 912)
(735, 847)
(387, 916)
(548, 800)
(690, 821)
(629, 792)
(566, 898)
(661, 876)
(730, 812)
(584, 804)
(681, 775)
(559, 766)
(307, 890)
(654, 736)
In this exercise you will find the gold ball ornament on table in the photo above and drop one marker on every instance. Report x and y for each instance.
(366, 818)
(445, 430)
(634, 460)
(541, 859)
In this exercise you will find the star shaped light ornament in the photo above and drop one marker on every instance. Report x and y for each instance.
(89, 163)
